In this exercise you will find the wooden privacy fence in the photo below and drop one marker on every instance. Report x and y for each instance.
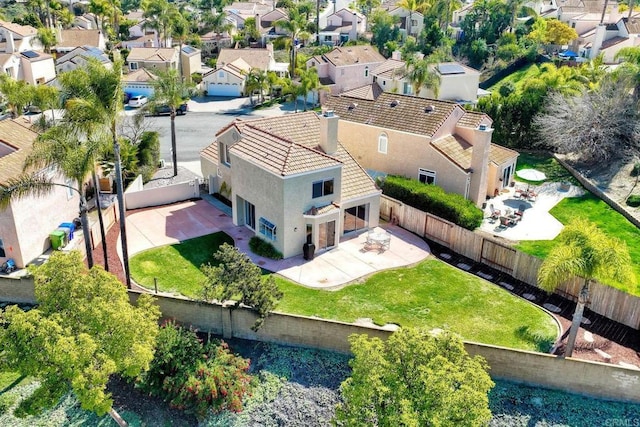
(109, 216)
(604, 300)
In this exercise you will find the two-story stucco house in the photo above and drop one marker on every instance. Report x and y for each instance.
(79, 57)
(436, 142)
(26, 223)
(292, 181)
(347, 67)
(153, 59)
(18, 38)
(342, 26)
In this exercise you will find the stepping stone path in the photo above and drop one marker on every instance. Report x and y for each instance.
(588, 337)
(530, 297)
(464, 266)
(605, 356)
(552, 308)
(485, 275)
(506, 285)
(445, 256)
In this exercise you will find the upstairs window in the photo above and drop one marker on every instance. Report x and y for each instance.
(133, 66)
(382, 143)
(225, 157)
(366, 71)
(322, 188)
(426, 176)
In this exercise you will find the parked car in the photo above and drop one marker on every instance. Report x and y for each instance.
(160, 110)
(138, 101)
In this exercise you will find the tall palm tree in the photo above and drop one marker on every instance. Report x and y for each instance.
(171, 90)
(94, 103)
(295, 26)
(584, 251)
(47, 38)
(160, 15)
(421, 74)
(517, 8)
(309, 82)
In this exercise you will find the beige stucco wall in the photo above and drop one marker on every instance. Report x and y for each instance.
(32, 71)
(191, 64)
(352, 76)
(462, 87)
(406, 153)
(25, 225)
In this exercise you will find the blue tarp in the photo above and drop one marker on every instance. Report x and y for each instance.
(569, 53)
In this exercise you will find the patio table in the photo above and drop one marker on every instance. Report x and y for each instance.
(378, 239)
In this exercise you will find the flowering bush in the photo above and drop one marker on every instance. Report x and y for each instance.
(193, 376)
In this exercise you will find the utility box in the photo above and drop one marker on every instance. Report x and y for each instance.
(57, 238)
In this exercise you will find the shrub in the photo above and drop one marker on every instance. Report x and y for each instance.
(433, 199)
(263, 248)
(193, 376)
(633, 200)
(636, 169)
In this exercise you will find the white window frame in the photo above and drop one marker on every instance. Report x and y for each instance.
(427, 174)
(267, 229)
(383, 143)
(249, 215)
(323, 184)
(133, 66)
(225, 157)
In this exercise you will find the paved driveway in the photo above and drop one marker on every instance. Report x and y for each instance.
(346, 263)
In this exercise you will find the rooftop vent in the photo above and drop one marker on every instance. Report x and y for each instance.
(429, 108)
(395, 103)
(353, 105)
(328, 113)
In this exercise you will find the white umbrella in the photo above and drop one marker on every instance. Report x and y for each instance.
(531, 175)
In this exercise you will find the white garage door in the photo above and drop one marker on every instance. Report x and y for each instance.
(224, 89)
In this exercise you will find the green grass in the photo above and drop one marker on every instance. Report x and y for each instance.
(431, 295)
(608, 220)
(518, 78)
(177, 267)
(546, 163)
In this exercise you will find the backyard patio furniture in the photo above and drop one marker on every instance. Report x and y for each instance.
(380, 240)
(495, 213)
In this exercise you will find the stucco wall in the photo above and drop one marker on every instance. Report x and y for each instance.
(161, 196)
(352, 76)
(32, 71)
(406, 153)
(577, 376)
(459, 87)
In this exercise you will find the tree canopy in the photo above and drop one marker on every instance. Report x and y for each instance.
(414, 379)
(83, 331)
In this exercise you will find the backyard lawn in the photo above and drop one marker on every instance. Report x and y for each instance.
(431, 294)
(588, 207)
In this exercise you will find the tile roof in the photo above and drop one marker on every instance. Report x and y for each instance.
(459, 151)
(255, 57)
(298, 136)
(349, 55)
(613, 41)
(388, 68)
(77, 37)
(472, 119)
(632, 24)
(5, 57)
(21, 30)
(370, 92)
(392, 111)
(278, 155)
(19, 137)
(210, 152)
(140, 75)
(162, 54)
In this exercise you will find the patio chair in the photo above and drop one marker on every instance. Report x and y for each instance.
(495, 213)
(520, 211)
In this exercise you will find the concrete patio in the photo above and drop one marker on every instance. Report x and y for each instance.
(537, 223)
(333, 268)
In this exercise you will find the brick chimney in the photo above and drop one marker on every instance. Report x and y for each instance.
(480, 164)
(329, 132)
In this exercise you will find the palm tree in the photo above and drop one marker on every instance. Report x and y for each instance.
(160, 15)
(94, 102)
(295, 25)
(630, 66)
(421, 74)
(517, 8)
(46, 98)
(170, 89)
(47, 38)
(309, 81)
(584, 251)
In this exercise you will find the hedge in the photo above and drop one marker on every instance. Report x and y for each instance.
(433, 199)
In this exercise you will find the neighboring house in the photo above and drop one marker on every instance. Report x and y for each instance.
(348, 67)
(18, 38)
(342, 26)
(291, 181)
(141, 34)
(212, 42)
(86, 22)
(79, 57)
(436, 142)
(238, 12)
(68, 40)
(267, 27)
(191, 61)
(25, 224)
(607, 39)
(457, 82)
(36, 68)
(233, 65)
(410, 23)
(153, 59)
(138, 82)
(10, 65)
